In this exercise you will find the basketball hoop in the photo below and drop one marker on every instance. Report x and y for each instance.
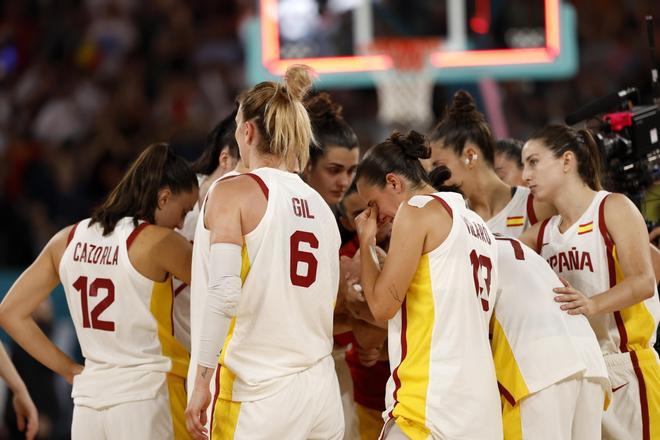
(405, 92)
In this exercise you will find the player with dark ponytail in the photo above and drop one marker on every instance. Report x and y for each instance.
(437, 288)
(463, 142)
(598, 244)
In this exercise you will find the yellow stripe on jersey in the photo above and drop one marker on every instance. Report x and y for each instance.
(225, 420)
(413, 372)
(512, 222)
(177, 396)
(585, 228)
(506, 367)
(637, 320)
(227, 377)
(162, 301)
(511, 420)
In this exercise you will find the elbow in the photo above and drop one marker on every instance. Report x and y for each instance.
(383, 313)
(650, 287)
(5, 316)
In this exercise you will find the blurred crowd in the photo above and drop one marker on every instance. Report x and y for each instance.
(85, 84)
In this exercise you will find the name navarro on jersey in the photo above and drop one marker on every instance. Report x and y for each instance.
(93, 254)
(477, 230)
(571, 260)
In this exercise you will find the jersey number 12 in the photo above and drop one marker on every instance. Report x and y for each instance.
(93, 320)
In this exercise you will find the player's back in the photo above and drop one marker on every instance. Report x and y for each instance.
(122, 319)
(535, 343)
(443, 370)
(290, 272)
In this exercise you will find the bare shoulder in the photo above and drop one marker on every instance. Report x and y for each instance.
(57, 245)
(621, 213)
(432, 220)
(153, 236)
(233, 189)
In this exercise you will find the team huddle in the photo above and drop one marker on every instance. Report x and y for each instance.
(284, 288)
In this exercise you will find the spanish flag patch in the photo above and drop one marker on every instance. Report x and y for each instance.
(512, 222)
(585, 228)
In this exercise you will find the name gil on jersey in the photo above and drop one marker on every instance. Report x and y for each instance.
(93, 254)
(477, 230)
(571, 260)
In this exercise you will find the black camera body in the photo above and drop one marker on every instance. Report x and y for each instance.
(629, 143)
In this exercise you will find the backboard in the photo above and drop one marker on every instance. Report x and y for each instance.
(476, 38)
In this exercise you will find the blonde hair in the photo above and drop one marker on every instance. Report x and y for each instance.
(281, 117)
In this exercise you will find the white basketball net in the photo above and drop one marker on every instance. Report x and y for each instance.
(405, 93)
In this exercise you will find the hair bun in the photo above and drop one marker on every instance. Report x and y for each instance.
(439, 175)
(412, 144)
(321, 107)
(297, 81)
(463, 109)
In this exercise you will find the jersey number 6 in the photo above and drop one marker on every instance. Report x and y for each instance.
(99, 283)
(298, 256)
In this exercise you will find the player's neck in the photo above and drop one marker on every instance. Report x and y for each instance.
(490, 195)
(572, 204)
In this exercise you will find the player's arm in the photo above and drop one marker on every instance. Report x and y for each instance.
(173, 253)
(26, 412)
(543, 210)
(385, 290)
(628, 231)
(225, 212)
(31, 289)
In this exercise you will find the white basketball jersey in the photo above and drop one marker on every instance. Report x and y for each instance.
(585, 255)
(181, 312)
(199, 281)
(536, 344)
(123, 320)
(290, 273)
(517, 216)
(443, 378)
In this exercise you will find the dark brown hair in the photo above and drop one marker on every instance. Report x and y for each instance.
(222, 136)
(562, 138)
(136, 195)
(462, 122)
(328, 125)
(399, 154)
(511, 149)
(280, 116)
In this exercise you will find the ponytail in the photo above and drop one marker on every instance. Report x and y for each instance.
(463, 123)
(136, 195)
(280, 116)
(399, 154)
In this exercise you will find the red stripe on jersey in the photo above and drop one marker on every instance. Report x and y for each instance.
(172, 305)
(215, 397)
(643, 401)
(72, 232)
(531, 215)
(623, 334)
(506, 394)
(260, 182)
(404, 352)
(180, 288)
(136, 231)
(447, 207)
(611, 268)
(539, 238)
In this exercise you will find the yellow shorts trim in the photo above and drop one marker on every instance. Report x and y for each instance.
(177, 396)
(225, 419)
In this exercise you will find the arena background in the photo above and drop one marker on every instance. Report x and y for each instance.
(84, 85)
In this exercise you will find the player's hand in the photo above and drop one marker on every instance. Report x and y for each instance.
(367, 225)
(368, 356)
(27, 418)
(573, 301)
(196, 413)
